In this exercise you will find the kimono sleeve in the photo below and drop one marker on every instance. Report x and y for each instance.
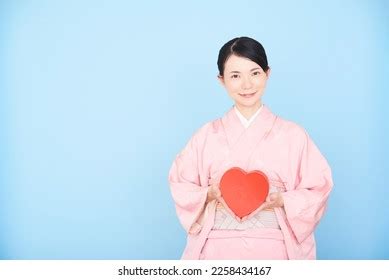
(184, 179)
(305, 204)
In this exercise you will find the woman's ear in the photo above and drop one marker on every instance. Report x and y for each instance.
(268, 72)
(221, 79)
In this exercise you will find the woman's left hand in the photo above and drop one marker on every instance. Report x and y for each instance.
(274, 200)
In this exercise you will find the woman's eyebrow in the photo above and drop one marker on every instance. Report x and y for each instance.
(256, 68)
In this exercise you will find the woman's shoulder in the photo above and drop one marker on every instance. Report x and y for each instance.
(209, 128)
(292, 129)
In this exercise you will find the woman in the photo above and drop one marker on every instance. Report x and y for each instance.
(249, 136)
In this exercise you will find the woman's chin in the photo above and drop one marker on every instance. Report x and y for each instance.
(247, 103)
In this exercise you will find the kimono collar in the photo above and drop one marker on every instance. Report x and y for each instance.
(258, 129)
(246, 123)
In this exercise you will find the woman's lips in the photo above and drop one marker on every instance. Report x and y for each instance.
(248, 95)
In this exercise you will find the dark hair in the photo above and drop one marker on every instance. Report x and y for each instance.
(244, 47)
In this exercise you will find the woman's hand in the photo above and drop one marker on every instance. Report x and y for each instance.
(225, 206)
(274, 200)
(213, 192)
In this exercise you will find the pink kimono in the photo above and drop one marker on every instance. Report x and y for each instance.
(279, 148)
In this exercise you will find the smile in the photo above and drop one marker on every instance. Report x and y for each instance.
(248, 95)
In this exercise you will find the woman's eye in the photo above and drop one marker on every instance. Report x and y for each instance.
(234, 76)
(256, 73)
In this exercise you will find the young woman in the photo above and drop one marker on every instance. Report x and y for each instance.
(249, 136)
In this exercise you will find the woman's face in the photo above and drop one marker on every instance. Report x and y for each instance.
(244, 81)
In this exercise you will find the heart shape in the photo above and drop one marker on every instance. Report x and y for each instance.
(244, 192)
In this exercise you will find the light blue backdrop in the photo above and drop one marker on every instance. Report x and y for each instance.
(97, 98)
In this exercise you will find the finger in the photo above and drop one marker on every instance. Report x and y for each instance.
(266, 205)
(221, 200)
(269, 198)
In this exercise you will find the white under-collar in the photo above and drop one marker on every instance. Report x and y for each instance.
(245, 122)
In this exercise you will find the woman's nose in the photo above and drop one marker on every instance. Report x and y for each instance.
(246, 83)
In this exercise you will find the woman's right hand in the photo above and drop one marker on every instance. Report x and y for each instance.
(213, 192)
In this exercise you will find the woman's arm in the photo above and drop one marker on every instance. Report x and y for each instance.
(189, 196)
(305, 204)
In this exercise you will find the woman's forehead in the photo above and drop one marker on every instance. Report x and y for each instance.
(238, 63)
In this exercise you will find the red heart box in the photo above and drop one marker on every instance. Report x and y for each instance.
(244, 192)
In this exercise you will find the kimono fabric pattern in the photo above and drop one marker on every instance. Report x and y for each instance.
(279, 148)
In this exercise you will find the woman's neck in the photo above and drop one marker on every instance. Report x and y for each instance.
(248, 112)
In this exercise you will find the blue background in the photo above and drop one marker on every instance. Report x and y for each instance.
(97, 98)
